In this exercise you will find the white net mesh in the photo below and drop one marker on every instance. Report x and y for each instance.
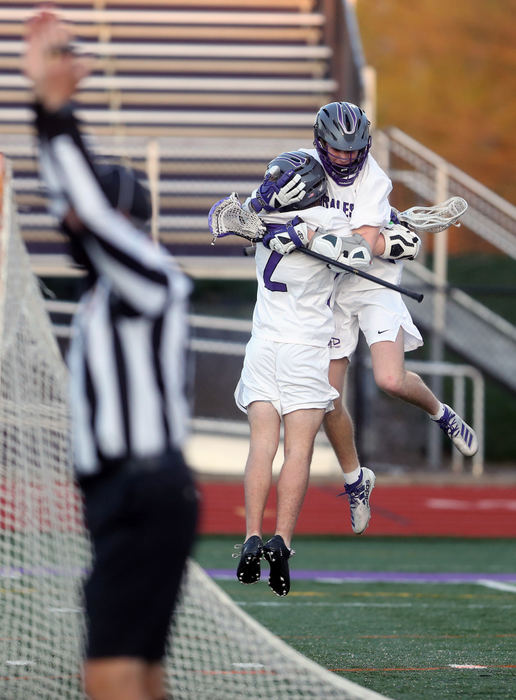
(228, 216)
(219, 653)
(435, 218)
(43, 547)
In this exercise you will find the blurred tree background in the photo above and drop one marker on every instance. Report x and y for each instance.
(446, 76)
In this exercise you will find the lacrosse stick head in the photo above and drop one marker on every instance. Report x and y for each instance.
(227, 216)
(435, 218)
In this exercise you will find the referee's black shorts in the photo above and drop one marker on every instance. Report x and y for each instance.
(142, 518)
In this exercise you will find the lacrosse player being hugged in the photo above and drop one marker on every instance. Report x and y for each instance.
(358, 211)
(285, 374)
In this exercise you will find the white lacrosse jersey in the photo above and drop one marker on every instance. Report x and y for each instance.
(364, 203)
(294, 302)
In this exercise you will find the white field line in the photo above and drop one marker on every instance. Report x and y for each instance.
(498, 585)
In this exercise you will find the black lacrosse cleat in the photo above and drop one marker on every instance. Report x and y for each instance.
(277, 554)
(248, 570)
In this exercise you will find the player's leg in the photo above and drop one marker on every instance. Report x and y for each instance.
(110, 671)
(300, 429)
(338, 425)
(257, 395)
(155, 681)
(264, 425)
(305, 395)
(392, 377)
(116, 679)
(134, 515)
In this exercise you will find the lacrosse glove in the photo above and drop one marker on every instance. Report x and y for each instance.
(284, 238)
(274, 194)
(400, 242)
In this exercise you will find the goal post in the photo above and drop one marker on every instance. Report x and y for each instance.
(216, 651)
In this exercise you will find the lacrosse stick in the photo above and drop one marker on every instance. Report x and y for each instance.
(227, 217)
(435, 218)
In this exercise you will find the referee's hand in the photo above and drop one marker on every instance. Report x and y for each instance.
(49, 61)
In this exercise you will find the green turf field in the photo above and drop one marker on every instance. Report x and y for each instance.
(402, 640)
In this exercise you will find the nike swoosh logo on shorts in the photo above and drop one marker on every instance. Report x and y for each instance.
(385, 331)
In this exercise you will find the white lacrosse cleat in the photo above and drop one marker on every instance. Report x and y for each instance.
(358, 495)
(462, 436)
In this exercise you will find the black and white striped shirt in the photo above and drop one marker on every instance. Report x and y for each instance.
(128, 354)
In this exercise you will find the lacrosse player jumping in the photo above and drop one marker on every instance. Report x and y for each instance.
(357, 203)
(285, 372)
(285, 378)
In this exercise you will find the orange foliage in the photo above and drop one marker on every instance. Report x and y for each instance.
(446, 77)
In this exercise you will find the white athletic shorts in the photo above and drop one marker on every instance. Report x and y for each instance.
(379, 314)
(289, 376)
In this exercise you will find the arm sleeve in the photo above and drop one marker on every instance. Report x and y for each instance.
(136, 269)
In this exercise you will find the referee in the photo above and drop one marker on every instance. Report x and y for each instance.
(127, 386)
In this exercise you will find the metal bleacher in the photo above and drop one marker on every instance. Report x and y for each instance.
(200, 94)
(209, 91)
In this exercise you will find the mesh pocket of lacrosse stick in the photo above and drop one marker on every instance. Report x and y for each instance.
(227, 217)
(435, 218)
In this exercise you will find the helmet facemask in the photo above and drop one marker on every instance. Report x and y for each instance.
(343, 175)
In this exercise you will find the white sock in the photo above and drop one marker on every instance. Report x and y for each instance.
(439, 413)
(354, 476)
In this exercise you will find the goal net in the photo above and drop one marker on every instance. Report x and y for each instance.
(216, 651)
(43, 548)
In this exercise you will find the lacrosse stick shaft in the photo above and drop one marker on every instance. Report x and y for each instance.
(361, 273)
(255, 226)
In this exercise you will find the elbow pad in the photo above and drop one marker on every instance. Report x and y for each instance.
(353, 250)
(356, 251)
(326, 244)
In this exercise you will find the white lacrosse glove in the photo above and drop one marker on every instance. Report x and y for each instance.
(284, 238)
(400, 243)
(274, 194)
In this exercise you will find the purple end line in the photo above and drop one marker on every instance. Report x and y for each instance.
(383, 576)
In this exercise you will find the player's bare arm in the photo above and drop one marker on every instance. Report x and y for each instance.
(371, 234)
